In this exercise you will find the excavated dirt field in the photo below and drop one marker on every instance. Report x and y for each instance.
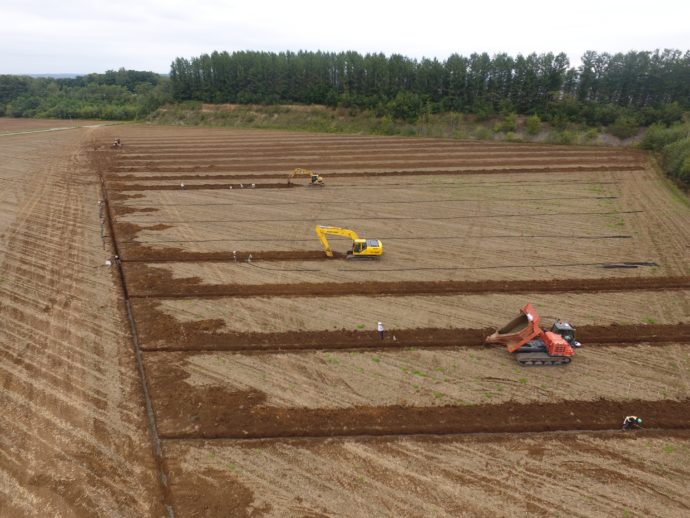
(269, 382)
(223, 367)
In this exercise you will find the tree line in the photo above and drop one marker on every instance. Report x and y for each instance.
(115, 95)
(645, 86)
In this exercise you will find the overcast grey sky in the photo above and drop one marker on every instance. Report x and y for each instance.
(82, 36)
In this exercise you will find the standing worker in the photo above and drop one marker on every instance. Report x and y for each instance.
(380, 329)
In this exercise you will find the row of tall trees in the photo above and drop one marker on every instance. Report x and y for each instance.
(480, 83)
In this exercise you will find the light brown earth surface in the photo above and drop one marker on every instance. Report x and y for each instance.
(534, 475)
(73, 433)
(268, 314)
(271, 392)
(422, 377)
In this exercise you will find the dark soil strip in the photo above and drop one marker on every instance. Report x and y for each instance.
(159, 331)
(475, 437)
(368, 174)
(148, 281)
(399, 218)
(386, 238)
(348, 202)
(142, 254)
(211, 412)
(199, 186)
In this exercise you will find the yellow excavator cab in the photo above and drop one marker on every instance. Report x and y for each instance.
(361, 248)
(366, 247)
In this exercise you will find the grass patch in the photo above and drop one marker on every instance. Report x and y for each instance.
(332, 359)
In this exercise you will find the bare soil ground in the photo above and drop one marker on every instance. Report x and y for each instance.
(458, 376)
(268, 382)
(510, 475)
(73, 435)
(271, 314)
(281, 348)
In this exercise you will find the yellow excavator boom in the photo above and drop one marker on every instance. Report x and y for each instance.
(369, 248)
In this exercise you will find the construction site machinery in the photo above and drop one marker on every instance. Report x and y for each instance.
(531, 345)
(361, 248)
(316, 179)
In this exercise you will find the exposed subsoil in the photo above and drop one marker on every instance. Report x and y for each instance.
(211, 412)
(159, 331)
(144, 280)
(199, 186)
(335, 174)
(137, 252)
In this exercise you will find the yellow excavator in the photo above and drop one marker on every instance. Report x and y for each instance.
(316, 179)
(361, 248)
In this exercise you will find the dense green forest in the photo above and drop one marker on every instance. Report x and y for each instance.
(115, 95)
(639, 87)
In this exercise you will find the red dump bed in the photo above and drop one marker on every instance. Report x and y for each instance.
(518, 331)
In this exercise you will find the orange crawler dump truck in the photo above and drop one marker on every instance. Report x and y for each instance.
(531, 345)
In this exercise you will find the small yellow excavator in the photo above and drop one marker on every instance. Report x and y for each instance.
(361, 248)
(316, 179)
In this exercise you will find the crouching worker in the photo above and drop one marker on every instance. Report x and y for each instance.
(632, 423)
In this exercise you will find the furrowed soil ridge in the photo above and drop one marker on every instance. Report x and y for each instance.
(211, 413)
(147, 281)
